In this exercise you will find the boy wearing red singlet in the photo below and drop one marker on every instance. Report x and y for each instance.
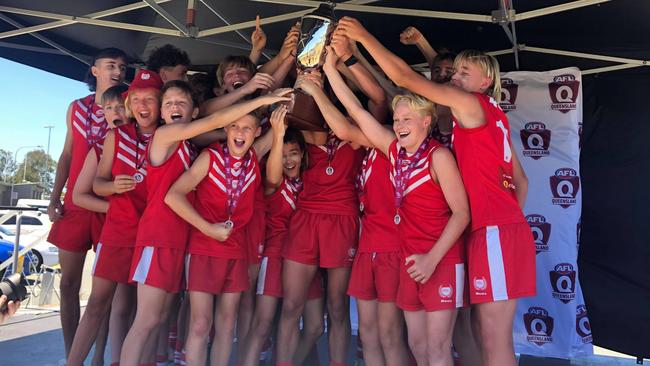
(225, 177)
(501, 253)
(323, 233)
(161, 242)
(430, 212)
(283, 183)
(375, 273)
(121, 177)
(72, 228)
(83, 196)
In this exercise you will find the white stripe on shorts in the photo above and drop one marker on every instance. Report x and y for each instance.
(187, 269)
(99, 249)
(261, 277)
(460, 284)
(495, 262)
(142, 269)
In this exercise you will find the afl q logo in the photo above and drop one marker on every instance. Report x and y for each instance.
(539, 326)
(508, 95)
(535, 139)
(583, 328)
(564, 92)
(563, 282)
(541, 231)
(564, 187)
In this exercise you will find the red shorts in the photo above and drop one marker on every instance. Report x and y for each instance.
(326, 240)
(77, 230)
(444, 290)
(375, 276)
(501, 263)
(113, 263)
(269, 280)
(215, 275)
(158, 267)
(255, 234)
(96, 225)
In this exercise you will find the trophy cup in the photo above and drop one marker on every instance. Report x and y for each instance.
(315, 31)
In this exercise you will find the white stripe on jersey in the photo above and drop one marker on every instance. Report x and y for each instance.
(129, 150)
(288, 199)
(495, 261)
(82, 106)
(217, 182)
(185, 163)
(80, 119)
(129, 139)
(418, 183)
(79, 129)
(130, 163)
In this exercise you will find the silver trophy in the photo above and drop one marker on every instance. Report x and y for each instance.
(315, 32)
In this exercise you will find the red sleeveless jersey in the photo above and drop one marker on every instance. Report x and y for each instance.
(331, 194)
(378, 232)
(484, 158)
(160, 226)
(211, 202)
(279, 207)
(424, 211)
(125, 209)
(88, 130)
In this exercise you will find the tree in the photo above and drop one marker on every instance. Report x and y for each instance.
(37, 169)
(7, 165)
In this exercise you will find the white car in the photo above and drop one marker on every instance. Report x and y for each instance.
(45, 252)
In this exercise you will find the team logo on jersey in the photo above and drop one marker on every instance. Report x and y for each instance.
(145, 76)
(564, 187)
(508, 95)
(564, 92)
(536, 140)
(539, 326)
(583, 327)
(563, 282)
(445, 293)
(541, 231)
(480, 286)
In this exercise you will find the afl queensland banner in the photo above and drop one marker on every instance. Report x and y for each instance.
(545, 114)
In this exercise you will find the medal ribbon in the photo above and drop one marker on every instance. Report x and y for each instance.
(234, 193)
(145, 141)
(296, 184)
(401, 177)
(361, 177)
(331, 145)
(91, 137)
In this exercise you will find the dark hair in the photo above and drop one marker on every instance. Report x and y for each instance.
(236, 61)
(110, 52)
(201, 86)
(167, 56)
(292, 135)
(184, 86)
(443, 55)
(114, 93)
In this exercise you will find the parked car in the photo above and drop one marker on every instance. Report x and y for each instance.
(44, 252)
(6, 252)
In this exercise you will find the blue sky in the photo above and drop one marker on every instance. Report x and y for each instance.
(31, 99)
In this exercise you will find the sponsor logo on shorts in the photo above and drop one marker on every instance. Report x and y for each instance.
(445, 292)
(564, 92)
(564, 187)
(535, 139)
(541, 231)
(539, 326)
(509, 91)
(563, 282)
(480, 286)
(351, 253)
(582, 324)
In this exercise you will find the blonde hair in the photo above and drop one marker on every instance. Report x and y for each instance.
(488, 64)
(127, 102)
(418, 104)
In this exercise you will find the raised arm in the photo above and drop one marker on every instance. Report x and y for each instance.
(413, 36)
(260, 81)
(389, 89)
(105, 184)
(82, 195)
(176, 199)
(55, 208)
(288, 50)
(258, 40)
(274, 171)
(464, 105)
(445, 171)
(376, 134)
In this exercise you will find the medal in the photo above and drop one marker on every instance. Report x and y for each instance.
(361, 207)
(329, 170)
(234, 188)
(331, 150)
(403, 173)
(138, 177)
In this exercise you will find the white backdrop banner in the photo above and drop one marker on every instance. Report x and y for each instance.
(545, 114)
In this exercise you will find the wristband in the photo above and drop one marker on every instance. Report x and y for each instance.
(351, 61)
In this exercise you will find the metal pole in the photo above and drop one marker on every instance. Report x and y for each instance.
(47, 157)
(24, 168)
(19, 221)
